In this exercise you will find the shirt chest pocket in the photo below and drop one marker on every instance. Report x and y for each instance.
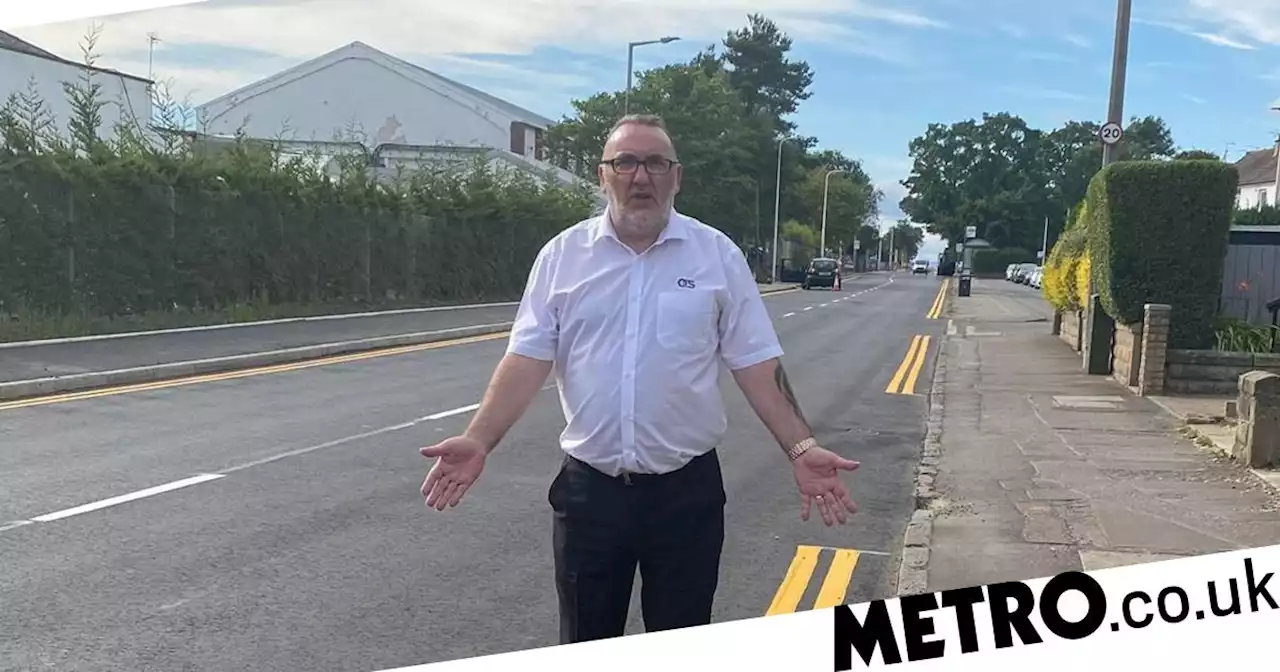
(686, 320)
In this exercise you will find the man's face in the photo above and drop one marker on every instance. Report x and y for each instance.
(641, 183)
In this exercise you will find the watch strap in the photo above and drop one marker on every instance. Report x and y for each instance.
(799, 449)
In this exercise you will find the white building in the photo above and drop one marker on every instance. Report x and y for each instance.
(1258, 178)
(24, 65)
(402, 114)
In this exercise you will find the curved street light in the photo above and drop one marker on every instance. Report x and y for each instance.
(826, 184)
(631, 50)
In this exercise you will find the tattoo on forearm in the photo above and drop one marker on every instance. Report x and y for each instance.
(784, 386)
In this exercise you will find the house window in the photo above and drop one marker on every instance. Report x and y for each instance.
(1262, 198)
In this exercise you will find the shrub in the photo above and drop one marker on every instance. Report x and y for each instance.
(1232, 335)
(1157, 233)
(1264, 216)
(995, 261)
(1060, 271)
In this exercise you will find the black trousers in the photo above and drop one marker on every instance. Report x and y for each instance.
(670, 525)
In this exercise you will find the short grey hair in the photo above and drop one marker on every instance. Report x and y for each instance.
(642, 119)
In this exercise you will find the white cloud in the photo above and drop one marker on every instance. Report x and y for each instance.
(1256, 20)
(422, 30)
(1223, 41)
(1077, 40)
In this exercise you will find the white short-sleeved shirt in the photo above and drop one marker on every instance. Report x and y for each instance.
(638, 339)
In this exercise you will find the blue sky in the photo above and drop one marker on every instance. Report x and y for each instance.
(884, 69)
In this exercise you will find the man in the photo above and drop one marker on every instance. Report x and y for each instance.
(636, 309)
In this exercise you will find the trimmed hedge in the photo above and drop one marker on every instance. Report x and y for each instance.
(1265, 216)
(995, 261)
(112, 237)
(1158, 234)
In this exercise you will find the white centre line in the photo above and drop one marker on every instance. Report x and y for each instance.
(809, 308)
(205, 478)
(824, 305)
(112, 501)
(789, 315)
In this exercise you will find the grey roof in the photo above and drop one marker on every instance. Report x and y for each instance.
(11, 42)
(510, 108)
(15, 43)
(1257, 167)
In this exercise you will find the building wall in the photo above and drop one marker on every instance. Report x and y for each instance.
(1252, 195)
(124, 97)
(382, 105)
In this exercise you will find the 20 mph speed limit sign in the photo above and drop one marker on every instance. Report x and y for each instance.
(1111, 133)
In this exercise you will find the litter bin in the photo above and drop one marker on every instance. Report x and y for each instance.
(966, 282)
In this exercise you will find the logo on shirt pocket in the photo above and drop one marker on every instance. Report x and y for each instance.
(686, 283)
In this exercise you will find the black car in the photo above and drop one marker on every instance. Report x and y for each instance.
(821, 273)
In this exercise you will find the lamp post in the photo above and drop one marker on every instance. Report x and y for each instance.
(631, 51)
(826, 184)
(777, 201)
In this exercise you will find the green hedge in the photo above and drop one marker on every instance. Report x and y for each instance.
(1158, 234)
(995, 261)
(118, 235)
(1266, 216)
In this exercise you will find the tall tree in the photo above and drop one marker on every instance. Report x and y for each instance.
(987, 174)
(766, 80)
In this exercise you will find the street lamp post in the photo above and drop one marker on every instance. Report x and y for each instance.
(826, 184)
(631, 52)
(777, 201)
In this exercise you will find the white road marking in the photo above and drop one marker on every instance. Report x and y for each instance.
(789, 315)
(456, 411)
(113, 501)
(824, 305)
(809, 308)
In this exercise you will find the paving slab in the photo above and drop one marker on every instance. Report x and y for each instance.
(1044, 468)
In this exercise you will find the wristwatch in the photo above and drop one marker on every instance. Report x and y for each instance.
(797, 450)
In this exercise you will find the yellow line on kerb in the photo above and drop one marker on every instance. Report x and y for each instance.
(241, 373)
(834, 586)
(939, 301)
(904, 380)
(258, 371)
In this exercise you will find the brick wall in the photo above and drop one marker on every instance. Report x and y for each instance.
(1071, 328)
(1127, 354)
(1213, 372)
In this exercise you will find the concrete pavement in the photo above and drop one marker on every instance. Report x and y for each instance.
(1045, 469)
(271, 519)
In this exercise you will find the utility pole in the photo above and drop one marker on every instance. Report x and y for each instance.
(1097, 341)
(631, 51)
(777, 201)
(826, 186)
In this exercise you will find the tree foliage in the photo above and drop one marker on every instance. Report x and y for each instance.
(102, 235)
(1007, 178)
(726, 111)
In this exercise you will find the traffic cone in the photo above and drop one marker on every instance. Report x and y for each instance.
(839, 275)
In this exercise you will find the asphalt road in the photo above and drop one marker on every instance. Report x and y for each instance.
(60, 358)
(308, 546)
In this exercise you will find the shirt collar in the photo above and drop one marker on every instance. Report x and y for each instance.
(676, 229)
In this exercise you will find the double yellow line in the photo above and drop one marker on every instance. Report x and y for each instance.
(904, 380)
(939, 301)
(242, 373)
(794, 585)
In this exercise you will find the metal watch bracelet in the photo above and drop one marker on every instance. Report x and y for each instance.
(799, 449)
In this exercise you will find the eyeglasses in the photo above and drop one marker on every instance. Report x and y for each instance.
(654, 165)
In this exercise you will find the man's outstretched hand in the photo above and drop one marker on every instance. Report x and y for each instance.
(818, 477)
(459, 461)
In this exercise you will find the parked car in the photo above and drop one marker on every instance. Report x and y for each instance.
(1036, 277)
(821, 273)
(1023, 272)
(920, 266)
